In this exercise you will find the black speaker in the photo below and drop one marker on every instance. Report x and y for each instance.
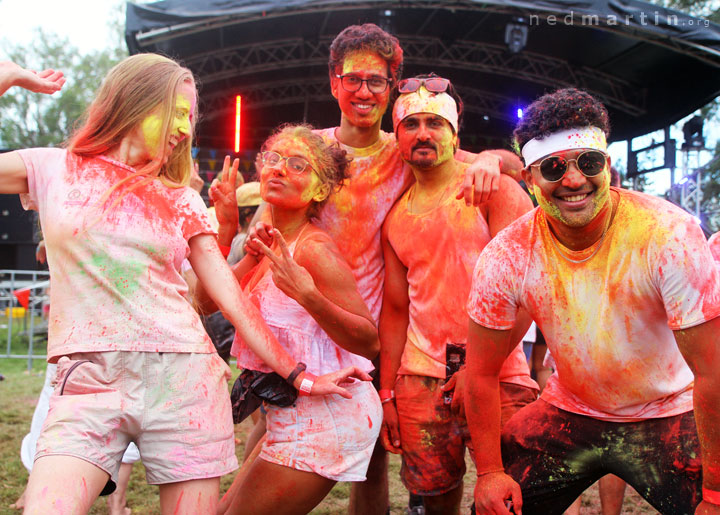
(18, 256)
(16, 224)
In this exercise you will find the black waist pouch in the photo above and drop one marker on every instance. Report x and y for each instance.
(252, 388)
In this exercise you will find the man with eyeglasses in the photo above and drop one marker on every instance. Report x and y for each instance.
(623, 287)
(431, 241)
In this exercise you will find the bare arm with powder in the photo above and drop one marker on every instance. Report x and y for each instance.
(700, 346)
(487, 350)
(214, 273)
(394, 321)
(13, 174)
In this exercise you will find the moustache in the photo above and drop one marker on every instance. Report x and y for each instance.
(424, 145)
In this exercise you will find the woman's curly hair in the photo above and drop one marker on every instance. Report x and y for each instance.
(330, 162)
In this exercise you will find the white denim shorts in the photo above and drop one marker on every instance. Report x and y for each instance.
(174, 406)
(329, 435)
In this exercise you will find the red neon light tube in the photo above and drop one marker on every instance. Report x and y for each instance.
(238, 104)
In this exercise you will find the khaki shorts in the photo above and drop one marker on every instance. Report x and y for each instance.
(329, 435)
(174, 406)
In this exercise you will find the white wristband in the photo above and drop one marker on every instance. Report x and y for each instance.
(306, 384)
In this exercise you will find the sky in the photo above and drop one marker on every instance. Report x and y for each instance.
(84, 22)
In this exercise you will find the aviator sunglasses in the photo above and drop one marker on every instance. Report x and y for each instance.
(432, 84)
(590, 163)
(295, 164)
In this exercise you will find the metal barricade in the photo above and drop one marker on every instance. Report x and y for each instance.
(22, 295)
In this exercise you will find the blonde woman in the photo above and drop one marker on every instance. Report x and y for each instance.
(134, 363)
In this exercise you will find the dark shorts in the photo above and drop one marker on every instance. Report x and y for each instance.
(555, 455)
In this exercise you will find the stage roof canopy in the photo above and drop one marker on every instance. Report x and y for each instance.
(649, 65)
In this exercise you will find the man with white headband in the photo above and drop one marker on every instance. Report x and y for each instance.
(431, 241)
(624, 289)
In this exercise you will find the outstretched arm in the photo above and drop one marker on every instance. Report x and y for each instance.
(224, 290)
(700, 346)
(47, 81)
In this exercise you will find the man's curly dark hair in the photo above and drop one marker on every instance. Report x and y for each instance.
(563, 109)
(366, 37)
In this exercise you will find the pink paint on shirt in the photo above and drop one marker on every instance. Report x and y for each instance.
(115, 266)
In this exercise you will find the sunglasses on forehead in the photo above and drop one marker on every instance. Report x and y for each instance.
(432, 84)
(590, 163)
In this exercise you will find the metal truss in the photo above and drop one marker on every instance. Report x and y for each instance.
(255, 96)
(213, 21)
(429, 52)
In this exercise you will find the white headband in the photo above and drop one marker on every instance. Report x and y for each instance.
(424, 101)
(584, 137)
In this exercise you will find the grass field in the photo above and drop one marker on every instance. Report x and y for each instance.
(18, 395)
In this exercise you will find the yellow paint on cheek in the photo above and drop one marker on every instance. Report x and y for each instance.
(603, 193)
(312, 188)
(446, 148)
(151, 129)
(547, 206)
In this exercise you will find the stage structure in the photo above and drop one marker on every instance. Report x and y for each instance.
(651, 66)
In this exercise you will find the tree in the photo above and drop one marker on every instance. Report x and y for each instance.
(32, 120)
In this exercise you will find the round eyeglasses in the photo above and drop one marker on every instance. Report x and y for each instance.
(590, 163)
(375, 84)
(295, 164)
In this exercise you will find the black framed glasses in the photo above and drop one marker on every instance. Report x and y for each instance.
(590, 163)
(295, 164)
(432, 84)
(375, 84)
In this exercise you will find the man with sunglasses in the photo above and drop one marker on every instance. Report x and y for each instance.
(431, 241)
(623, 287)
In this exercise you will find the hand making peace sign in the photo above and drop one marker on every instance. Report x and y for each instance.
(292, 279)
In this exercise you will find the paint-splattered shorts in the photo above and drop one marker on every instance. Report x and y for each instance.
(329, 435)
(174, 406)
(555, 455)
(433, 439)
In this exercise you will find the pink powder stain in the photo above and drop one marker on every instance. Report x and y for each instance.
(369, 422)
(179, 501)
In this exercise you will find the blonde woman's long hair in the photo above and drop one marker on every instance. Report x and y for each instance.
(130, 91)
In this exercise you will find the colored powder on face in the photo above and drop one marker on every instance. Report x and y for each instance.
(151, 129)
